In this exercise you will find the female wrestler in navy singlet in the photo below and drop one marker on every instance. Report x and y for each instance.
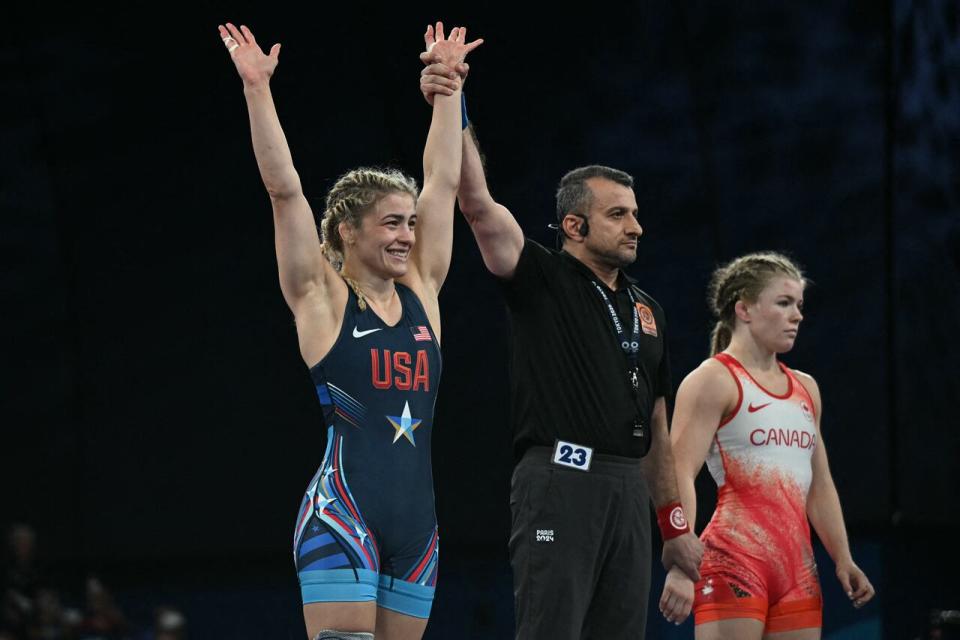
(368, 324)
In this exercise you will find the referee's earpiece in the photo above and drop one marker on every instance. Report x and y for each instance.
(581, 229)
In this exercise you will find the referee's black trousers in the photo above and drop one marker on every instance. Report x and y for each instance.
(580, 548)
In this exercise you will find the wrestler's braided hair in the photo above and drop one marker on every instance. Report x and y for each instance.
(743, 278)
(352, 196)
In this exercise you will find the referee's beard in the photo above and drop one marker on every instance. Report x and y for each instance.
(618, 257)
(611, 254)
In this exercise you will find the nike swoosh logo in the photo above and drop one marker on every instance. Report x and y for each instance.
(360, 334)
(752, 408)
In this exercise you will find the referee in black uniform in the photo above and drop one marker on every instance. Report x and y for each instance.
(589, 377)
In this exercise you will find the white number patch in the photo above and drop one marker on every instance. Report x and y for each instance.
(572, 455)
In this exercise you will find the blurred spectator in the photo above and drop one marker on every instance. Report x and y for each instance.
(102, 618)
(168, 624)
(31, 608)
(21, 580)
(50, 621)
(20, 566)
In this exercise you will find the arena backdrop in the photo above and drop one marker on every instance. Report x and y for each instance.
(155, 407)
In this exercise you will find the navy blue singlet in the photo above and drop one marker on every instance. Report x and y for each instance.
(367, 526)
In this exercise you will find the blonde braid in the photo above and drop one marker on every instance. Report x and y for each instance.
(361, 299)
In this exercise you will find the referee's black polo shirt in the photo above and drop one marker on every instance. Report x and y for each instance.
(568, 372)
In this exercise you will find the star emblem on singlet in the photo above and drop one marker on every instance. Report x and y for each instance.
(404, 424)
(361, 534)
(321, 502)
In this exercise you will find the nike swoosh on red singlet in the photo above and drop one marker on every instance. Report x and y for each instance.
(752, 408)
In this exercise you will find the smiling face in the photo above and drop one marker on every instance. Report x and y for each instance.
(385, 237)
(612, 217)
(773, 320)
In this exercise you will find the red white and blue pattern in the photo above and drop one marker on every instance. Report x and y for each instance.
(421, 333)
(330, 500)
(424, 572)
(346, 406)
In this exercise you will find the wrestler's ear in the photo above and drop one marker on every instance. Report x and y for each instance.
(347, 232)
(742, 310)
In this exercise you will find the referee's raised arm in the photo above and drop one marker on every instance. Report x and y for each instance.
(497, 232)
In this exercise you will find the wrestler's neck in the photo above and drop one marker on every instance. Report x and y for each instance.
(378, 290)
(607, 274)
(750, 353)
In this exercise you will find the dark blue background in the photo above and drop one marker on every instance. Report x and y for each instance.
(159, 424)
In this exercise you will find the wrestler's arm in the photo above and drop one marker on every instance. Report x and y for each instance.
(496, 230)
(826, 515)
(430, 258)
(309, 283)
(704, 397)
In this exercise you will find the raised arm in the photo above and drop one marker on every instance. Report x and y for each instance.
(826, 515)
(496, 230)
(441, 170)
(310, 285)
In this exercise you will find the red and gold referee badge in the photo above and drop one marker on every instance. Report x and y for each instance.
(647, 321)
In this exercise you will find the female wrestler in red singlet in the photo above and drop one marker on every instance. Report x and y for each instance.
(756, 423)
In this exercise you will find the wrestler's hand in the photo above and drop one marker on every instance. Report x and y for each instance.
(855, 583)
(684, 552)
(450, 51)
(254, 67)
(439, 78)
(677, 598)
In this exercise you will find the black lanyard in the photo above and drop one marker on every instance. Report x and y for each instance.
(630, 347)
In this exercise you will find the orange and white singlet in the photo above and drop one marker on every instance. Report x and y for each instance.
(758, 561)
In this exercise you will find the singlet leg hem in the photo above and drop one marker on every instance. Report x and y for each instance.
(338, 585)
(408, 598)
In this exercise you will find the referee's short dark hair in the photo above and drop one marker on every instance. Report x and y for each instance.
(573, 194)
